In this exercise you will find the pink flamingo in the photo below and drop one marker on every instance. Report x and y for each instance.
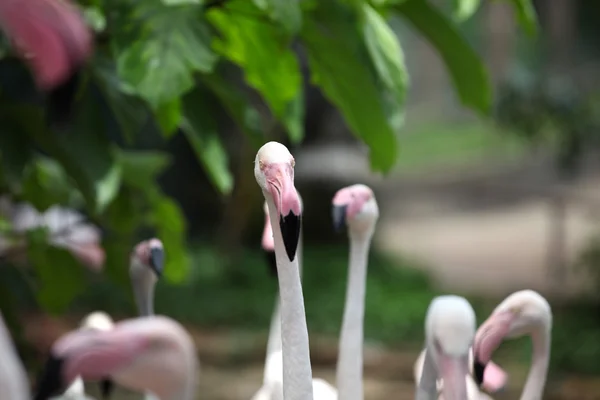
(51, 37)
(153, 354)
(522, 313)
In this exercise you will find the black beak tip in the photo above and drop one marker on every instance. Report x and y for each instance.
(478, 370)
(290, 232)
(339, 217)
(106, 388)
(271, 263)
(157, 261)
(49, 382)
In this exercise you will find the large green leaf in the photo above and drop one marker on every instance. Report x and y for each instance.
(468, 72)
(141, 168)
(45, 184)
(237, 104)
(170, 225)
(387, 56)
(60, 275)
(526, 15)
(129, 111)
(201, 131)
(85, 153)
(175, 43)
(168, 116)
(286, 12)
(265, 56)
(464, 9)
(340, 67)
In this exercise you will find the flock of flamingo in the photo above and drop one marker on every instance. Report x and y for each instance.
(155, 354)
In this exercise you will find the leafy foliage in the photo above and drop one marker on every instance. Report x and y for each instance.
(164, 65)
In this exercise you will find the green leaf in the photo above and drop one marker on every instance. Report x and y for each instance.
(287, 12)
(263, 53)
(201, 131)
(170, 224)
(60, 275)
(468, 72)
(237, 104)
(45, 184)
(340, 67)
(95, 18)
(293, 119)
(16, 147)
(464, 9)
(526, 16)
(168, 116)
(141, 168)
(388, 58)
(129, 111)
(175, 44)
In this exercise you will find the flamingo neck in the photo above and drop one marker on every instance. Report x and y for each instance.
(427, 385)
(536, 379)
(297, 373)
(143, 283)
(272, 374)
(349, 374)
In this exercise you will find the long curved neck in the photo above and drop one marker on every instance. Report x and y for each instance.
(426, 387)
(274, 340)
(297, 373)
(349, 374)
(536, 379)
(143, 290)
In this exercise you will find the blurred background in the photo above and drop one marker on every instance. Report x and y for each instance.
(495, 187)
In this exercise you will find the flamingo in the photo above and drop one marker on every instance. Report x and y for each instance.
(273, 374)
(525, 312)
(449, 333)
(355, 207)
(99, 321)
(145, 268)
(54, 40)
(274, 173)
(13, 379)
(153, 354)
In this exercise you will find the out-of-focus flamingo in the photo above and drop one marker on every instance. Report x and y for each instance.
(522, 313)
(145, 269)
(153, 354)
(274, 173)
(51, 36)
(99, 321)
(449, 333)
(355, 207)
(14, 384)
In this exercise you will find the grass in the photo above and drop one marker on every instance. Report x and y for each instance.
(397, 299)
(436, 144)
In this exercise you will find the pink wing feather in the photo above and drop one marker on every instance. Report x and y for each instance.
(51, 35)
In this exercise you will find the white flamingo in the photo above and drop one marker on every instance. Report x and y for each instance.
(522, 313)
(355, 207)
(14, 384)
(146, 266)
(449, 333)
(99, 321)
(274, 173)
(150, 354)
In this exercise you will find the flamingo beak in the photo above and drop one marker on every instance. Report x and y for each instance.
(280, 179)
(339, 217)
(107, 387)
(454, 371)
(157, 260)
(50, 382)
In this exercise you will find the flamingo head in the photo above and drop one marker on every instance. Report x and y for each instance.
(147, 256)
(524, 312)
(449, 332)
(355, 207)
(274, 173)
